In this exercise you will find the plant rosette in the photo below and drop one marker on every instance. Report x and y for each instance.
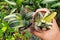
(42, 19)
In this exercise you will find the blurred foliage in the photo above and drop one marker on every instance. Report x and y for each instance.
(15, 15)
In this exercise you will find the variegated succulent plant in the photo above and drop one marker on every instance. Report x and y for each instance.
(42, 19)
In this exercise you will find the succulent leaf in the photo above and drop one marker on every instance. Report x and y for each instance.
(48, 18)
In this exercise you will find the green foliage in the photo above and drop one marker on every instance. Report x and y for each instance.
(16, 15)
(56, 5)
(48, 1)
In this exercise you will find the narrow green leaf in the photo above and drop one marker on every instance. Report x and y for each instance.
(56, 5)
(13, 10)
(48, 1)
(10, 2)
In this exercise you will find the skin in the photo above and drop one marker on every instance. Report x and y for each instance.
(52, 34)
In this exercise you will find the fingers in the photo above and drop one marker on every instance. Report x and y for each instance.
(54, 25)
(43, 10)
(39, 34)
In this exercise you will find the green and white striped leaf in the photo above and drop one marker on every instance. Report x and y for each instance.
(48, 1)
(10, 2)
(13, 10)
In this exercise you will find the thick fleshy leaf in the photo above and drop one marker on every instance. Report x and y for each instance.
(50, 17)
(6, 18)
(12, 17)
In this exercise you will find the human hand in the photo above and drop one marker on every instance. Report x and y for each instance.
(52, 34)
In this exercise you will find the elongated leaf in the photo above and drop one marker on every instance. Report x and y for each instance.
(10, 2)
(49, 17)
(48, 1)
(10, 17)
(13, 10)
(56, 5)
(1, 3)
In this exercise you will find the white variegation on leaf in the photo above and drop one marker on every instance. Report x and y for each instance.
(44, 20)
(10, 2)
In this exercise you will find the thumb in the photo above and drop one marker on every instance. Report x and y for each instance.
(54, 24)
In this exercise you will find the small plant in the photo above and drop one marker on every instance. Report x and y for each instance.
(42, 19)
